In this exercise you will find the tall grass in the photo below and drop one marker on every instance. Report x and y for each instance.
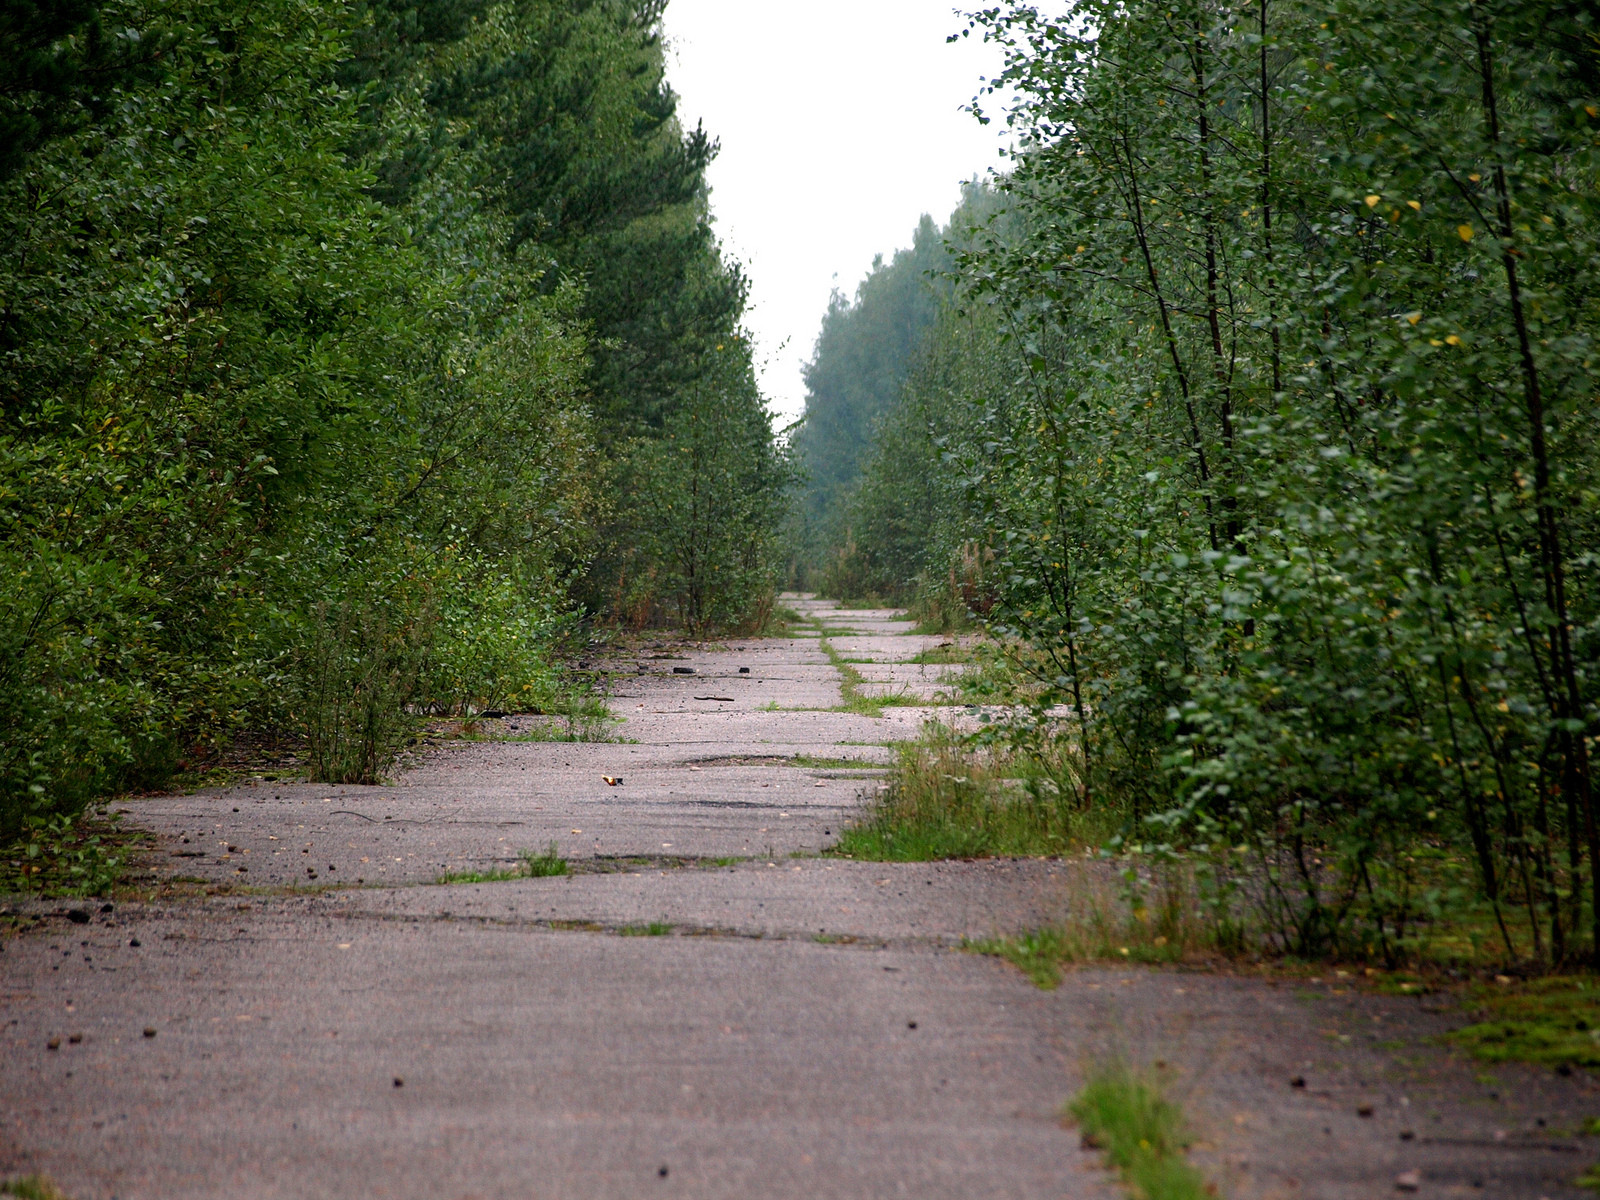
(948, 800)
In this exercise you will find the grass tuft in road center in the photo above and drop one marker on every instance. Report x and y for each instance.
(1141, 1133)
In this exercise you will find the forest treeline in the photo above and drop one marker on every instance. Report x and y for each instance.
(352, 352)
(1260, 425)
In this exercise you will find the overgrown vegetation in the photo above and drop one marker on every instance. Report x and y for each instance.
(1142, 1133)
(351, 356)
(943, 800)
(1263, 418)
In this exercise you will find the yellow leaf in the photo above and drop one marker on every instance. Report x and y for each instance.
(1475, 177)
(1372, 201)
(1414, 317)
(1414, 205)
(1452, 340)
(1464, 232)
(1591, 110)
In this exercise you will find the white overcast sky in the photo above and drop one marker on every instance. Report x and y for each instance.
(841, 122)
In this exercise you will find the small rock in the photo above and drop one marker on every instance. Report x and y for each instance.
(683, 670)
(53, 1044)
(74, 1038)
(911, 1024)
(744, 670)
(1299, 1081)
(1408, 1181)
(1406, 1135)
(149, 1031)
(105, 908)
(1363, 1110)
(662, 1172)
(78, 916)
(398, 1082)
(134, 942)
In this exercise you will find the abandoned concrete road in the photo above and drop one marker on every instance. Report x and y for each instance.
(705, 1008)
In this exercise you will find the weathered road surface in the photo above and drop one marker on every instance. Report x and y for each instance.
(804, 1027)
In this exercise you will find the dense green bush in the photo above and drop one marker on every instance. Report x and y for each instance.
(1291, 484)
(311, 341)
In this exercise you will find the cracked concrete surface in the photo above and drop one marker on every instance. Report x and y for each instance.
(801, 1026)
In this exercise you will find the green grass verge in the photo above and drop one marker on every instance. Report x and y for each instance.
(535, 865)
(1554, 1022)
(1141, 1133)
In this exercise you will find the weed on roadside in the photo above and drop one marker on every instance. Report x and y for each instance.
(1109, 920)
(653, 929)
(945, 801)
(85, 855)
(1040, 955)
(1142, 1134)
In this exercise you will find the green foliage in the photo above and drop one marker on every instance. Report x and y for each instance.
(1141, 1132)
(61, 855)
(863, 354)
(1286, 460)
(313, 320)
(709, 492)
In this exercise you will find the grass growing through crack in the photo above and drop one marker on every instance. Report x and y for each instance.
(945, 801)
(535, 865)
(1141, 1132)
(653, 929)
(852, 698)
(850, 680)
